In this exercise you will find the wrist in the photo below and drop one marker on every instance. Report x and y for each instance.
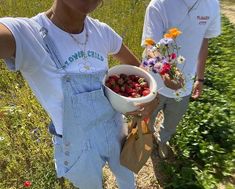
(201, 80)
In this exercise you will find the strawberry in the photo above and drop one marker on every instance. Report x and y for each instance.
(144, 85)
(135, 95)
(112, 81)
(136, 84)
(115, 77)
(108, 84)
(128, 85)
(131, 77)
(128, 89)
(116, 89)
(146, 92)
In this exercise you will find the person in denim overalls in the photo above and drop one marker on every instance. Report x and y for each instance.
(87, 131)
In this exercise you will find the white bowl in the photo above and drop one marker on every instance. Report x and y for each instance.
(125, 104)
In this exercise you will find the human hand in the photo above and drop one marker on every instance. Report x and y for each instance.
(172, 84)
(197, 89)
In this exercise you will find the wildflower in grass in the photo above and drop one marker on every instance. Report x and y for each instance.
(1, 138)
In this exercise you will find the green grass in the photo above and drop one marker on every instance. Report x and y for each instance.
(204, 141)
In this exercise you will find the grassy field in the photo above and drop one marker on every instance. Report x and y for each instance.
(204, 143)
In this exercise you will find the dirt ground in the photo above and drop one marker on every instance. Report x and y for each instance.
(228, 9)
(149, 178)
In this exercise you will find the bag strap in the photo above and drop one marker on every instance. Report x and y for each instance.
(137, 123)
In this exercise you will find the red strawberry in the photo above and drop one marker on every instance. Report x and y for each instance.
(135, 95)
(128, 89)
(131, 77)
(144, 85)
(115, 77)
(112, 81)
(109, 85)
(136, 84)
(116, 89)
(145, 92)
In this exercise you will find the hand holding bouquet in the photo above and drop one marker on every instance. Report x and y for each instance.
(162, 58)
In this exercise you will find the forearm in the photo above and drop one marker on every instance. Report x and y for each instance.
(202, 59)
(125, 56)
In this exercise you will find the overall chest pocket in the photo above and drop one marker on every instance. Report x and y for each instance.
(91, 108)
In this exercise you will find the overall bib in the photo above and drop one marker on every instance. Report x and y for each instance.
(92, 130)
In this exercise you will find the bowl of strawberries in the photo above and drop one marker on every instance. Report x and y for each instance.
(127, 86)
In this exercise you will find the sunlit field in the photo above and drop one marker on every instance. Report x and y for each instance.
(204, 143)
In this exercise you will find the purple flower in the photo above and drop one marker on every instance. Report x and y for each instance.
(164, 61)
(151, 62)
(145, 63)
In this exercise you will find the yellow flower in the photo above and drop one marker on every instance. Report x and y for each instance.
(149, 42)
(172, 30)
(168, 35)
(172, 33)
(176, 34)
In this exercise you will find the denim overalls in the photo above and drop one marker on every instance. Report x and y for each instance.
(92, 130)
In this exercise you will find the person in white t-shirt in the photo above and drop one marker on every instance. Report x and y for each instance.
(198, 20)
(63, 55)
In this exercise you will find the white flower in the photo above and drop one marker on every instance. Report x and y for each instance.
(180, 59)
(154, 48)
(2, 138)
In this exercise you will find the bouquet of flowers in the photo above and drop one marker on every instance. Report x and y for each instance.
(162, 57)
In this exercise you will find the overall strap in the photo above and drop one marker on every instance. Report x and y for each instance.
(49, 44)
(50, 47)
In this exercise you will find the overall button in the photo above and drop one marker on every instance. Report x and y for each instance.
(66, 163)
(67, 144)
(67, 153)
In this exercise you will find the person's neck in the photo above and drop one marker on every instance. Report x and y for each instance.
(65, 19)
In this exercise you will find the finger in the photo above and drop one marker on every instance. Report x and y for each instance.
(195, 94)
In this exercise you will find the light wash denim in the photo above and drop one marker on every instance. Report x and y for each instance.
(92, 130)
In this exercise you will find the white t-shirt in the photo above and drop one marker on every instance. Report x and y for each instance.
(202, 22)
(41, 73)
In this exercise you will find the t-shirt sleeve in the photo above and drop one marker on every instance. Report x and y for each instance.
(26, 44)
(214, 28)
(113, 41)
(153, 24)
